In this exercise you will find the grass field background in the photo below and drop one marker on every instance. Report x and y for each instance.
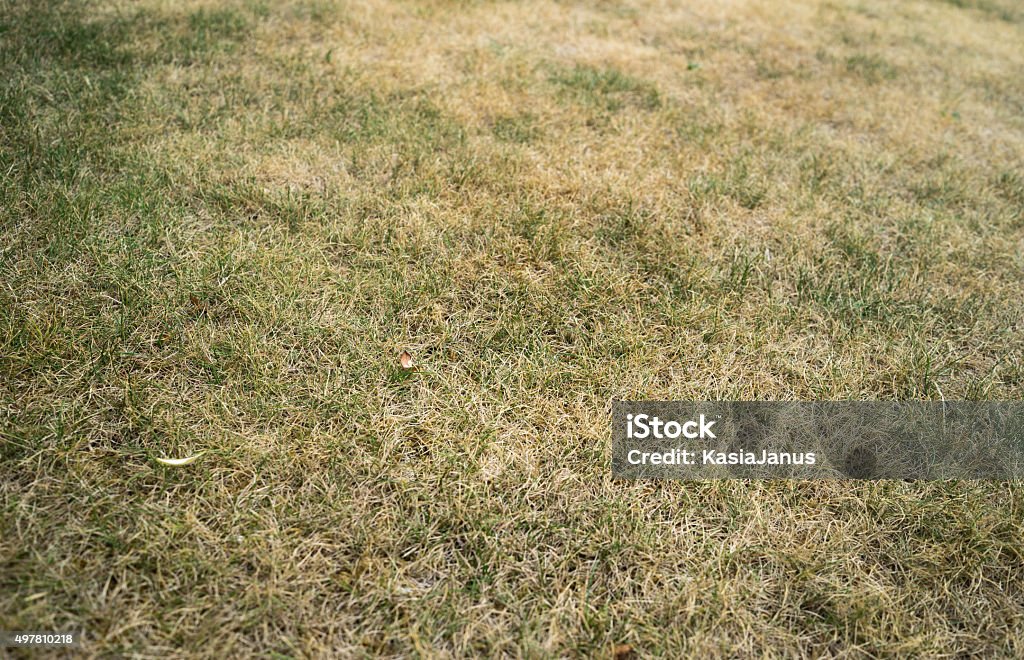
(222, 222)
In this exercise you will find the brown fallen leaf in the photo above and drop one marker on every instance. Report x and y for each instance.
(622, 651)
(199, 305)
(405, 359)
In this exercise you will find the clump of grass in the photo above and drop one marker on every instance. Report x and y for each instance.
(607, 89)
(1010, 185)
(872, 68)
(737, 182)
(1001, 9)
(217, 24)
(518, 129)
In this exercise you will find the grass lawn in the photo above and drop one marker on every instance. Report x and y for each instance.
(221, 222)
